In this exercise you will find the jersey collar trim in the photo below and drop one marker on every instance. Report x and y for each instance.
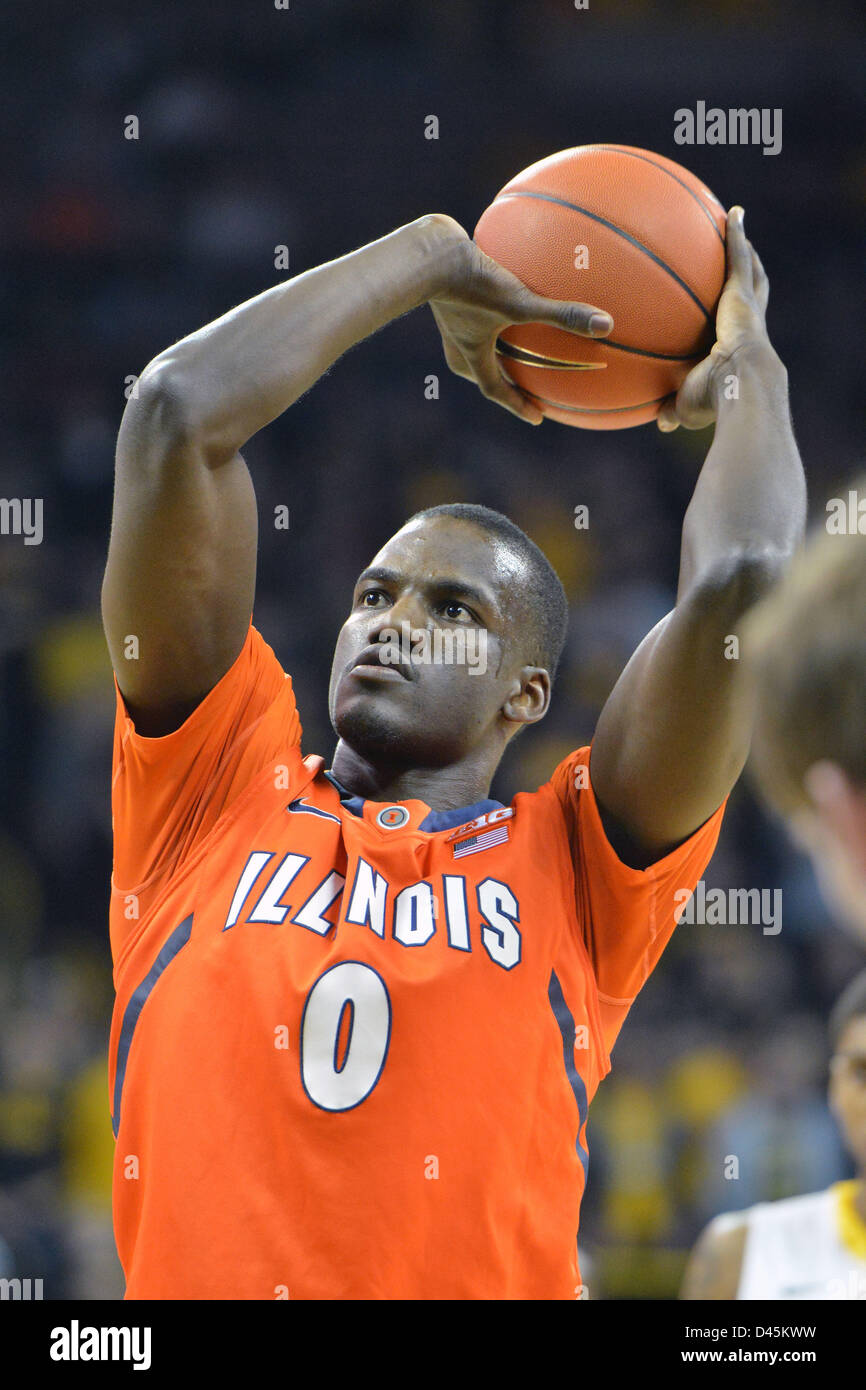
(352, 803)
(850, 1224)
(433, 821)
(447, 820)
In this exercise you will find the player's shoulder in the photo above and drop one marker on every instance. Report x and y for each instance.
(728, 1228)
(792, 1210)
(716, 1262)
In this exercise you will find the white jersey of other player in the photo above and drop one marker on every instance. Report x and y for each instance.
(811, 1247)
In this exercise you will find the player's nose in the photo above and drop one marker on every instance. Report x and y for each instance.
(407, 609)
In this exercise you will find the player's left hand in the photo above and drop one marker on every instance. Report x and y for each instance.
(481, 298)
(740, 326)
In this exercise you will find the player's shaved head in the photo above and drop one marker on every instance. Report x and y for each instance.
(539, 599)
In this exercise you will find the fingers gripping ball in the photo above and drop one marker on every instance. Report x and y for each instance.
(632, 232)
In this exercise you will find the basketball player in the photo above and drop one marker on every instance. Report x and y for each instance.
(811, 1247)
(362, 1008)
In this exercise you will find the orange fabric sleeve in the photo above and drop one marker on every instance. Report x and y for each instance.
(627, 915)
(168, 793)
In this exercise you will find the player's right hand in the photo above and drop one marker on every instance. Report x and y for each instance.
(741, 327)
(479, 300)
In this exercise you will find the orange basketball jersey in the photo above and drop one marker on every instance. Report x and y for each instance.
(354, 1042)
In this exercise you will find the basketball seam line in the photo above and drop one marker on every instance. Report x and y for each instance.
(621, 347)
(621, 149)
(595, 410)
(575, 207)
(663, 356)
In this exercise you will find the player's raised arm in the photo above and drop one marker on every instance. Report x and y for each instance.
(674, 734)
(179, 582)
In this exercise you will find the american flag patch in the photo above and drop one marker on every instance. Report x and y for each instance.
(484, 839)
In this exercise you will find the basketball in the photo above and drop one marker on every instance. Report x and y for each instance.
(632, 233)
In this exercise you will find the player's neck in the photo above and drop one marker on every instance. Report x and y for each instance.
(440, 788)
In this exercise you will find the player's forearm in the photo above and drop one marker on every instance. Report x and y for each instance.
(750, 499)
(237, 374)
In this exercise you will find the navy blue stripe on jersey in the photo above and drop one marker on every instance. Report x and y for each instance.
(447, 820)
(433, 821)
(353, 804)
(298, 807)
(179, 937)
(563, 1016)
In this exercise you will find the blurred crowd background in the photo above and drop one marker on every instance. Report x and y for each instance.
(304, 127)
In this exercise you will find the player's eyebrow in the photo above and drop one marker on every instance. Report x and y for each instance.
(459, 588)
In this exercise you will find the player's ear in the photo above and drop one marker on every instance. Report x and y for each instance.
(529, 699)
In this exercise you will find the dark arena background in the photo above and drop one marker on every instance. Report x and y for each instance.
(306, 127)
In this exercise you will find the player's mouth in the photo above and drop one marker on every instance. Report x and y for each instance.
(369, 664)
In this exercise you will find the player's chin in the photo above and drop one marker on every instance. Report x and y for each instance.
(377, 707)
(354, 693)
(393, 723)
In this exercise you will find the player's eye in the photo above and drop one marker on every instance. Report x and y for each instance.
(370, 597)
(852, 1067)
(456, 611)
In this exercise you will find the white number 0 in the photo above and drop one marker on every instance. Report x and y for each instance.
(360, 989)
